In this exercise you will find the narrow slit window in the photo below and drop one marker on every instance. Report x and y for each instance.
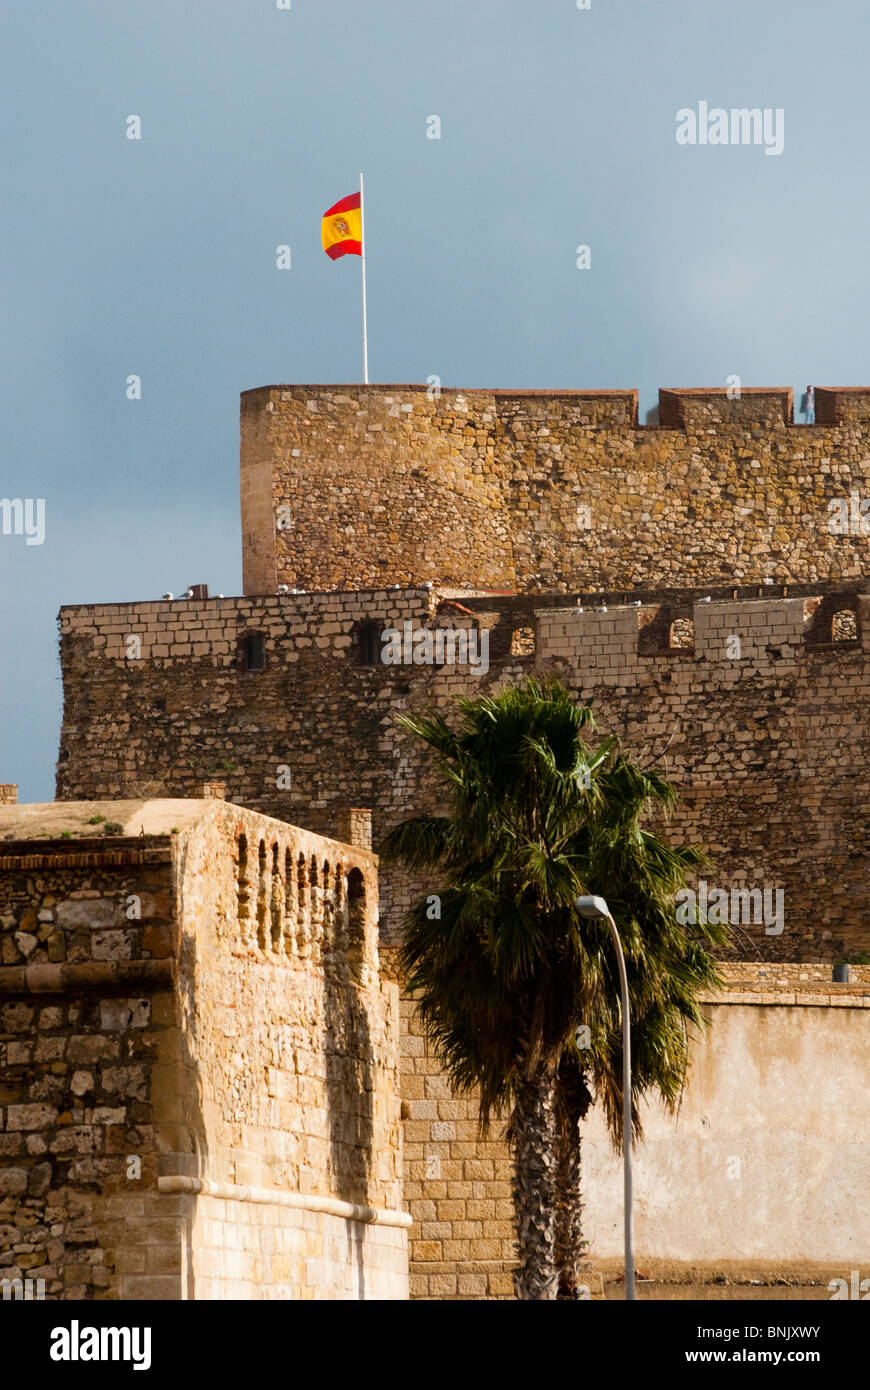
(369, 640)
(254, 652)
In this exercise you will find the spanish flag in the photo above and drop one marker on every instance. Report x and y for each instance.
(341, 228)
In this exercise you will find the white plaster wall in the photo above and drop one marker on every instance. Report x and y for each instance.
(781, 1091)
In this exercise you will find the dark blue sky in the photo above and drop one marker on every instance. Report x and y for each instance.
(157, 257)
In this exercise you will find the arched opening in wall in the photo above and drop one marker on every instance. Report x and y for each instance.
(682, 635)
(844, 626)
(328, 908)
(290, 903)
(243, 892)
(252, 652)
(367, 643)
(523, 641)
(276, 905)
(262, 904)
(303, 907)
(315, 898)
(356, 918)
(337, 890)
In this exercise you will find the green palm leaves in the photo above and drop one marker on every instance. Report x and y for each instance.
(506, 973)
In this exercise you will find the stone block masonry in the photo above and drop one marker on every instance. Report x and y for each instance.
(457, 1185)
(199, 1060)
(755, 708)
(349, 487)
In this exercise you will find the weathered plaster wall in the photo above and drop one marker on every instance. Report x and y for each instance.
(767, 1161)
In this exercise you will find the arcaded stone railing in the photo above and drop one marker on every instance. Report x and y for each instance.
(298, 899)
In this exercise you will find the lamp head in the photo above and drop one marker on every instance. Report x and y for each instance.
(592, 907)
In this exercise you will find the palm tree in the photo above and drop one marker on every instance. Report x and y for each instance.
(519, 995)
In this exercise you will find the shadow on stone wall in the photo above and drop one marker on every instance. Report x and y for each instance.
(186, 1150)
(350, 1073)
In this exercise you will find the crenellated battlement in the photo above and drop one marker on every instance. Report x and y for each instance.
(679, 407)
(763, 635)
(599, 631)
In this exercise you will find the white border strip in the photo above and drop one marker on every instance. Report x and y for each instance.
(333, 1206)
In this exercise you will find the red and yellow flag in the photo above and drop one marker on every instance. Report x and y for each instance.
(341, 228)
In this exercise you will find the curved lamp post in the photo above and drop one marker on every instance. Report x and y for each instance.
(597, 907)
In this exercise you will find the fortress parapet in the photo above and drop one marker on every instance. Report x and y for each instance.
(615, 645)
(606, 636)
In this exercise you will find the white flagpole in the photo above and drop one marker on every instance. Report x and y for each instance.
(362, 228)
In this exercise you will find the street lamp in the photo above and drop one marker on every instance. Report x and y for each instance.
(597, 907)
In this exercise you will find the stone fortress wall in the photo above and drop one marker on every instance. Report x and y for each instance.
(546, 491)
(760, 713)
(627, 560)
(199, 1059)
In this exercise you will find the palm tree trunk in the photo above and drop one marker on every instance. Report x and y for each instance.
(573, 1102)
(569, 1217)
(533, 1135)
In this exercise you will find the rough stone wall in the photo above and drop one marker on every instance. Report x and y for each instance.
(85, 1018)
(766, 743)
(255, 1074)
(288, 951)
(778, 1087)
(185, 707)
(546, 491)
(768, 748)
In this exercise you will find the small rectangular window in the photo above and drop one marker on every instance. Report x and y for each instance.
(369, 638)
(255, 654)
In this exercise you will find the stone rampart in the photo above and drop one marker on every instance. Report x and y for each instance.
(200, 1072)
(749, 704)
